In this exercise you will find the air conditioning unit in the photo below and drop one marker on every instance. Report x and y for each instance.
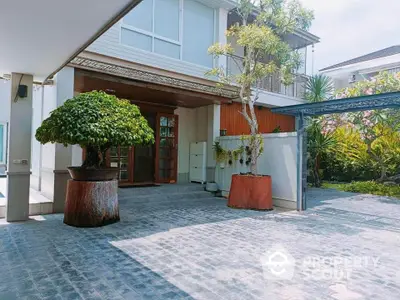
(352, 78)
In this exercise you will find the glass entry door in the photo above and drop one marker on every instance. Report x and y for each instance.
(166, 148)
(120, 157)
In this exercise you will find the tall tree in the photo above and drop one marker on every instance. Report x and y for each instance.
(261, 30)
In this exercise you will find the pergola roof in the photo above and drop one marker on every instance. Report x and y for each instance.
(378, 101)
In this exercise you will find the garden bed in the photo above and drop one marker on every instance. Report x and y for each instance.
(366, 187)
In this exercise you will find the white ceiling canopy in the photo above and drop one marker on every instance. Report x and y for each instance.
(40, 37)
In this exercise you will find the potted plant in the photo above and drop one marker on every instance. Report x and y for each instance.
(260, 32)
(220, 154)
(96, 121)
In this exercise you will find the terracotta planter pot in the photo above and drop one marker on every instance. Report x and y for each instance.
(83, 174)
(91, 203)
(251, 192)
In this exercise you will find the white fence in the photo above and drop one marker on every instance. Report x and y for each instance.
(279, 160)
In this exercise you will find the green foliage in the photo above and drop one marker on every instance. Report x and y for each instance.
(277, 129)
(369, 140)
(349, 159)
(96, 121)
(384, 82)
(260, 32)
(318, 144)
(318, 88)
(220, 153)
(231, 156)
(366, 187)
(263, 38)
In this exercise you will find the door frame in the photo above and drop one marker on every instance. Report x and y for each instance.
(174, 177)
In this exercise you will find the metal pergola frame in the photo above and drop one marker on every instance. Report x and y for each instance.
(300, 111)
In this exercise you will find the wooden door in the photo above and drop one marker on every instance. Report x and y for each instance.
(121, 157)
(166, 148)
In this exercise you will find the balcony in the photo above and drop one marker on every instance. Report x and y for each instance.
(272, 83)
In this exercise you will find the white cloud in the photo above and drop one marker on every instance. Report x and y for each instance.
(350, 28)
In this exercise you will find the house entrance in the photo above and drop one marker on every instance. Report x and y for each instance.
(144, 157)
(148, 164)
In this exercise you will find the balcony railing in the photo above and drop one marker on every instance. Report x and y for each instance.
(272, 83)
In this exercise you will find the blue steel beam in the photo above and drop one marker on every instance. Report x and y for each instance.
(379, 101)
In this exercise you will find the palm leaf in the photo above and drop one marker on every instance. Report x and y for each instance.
(318, 88)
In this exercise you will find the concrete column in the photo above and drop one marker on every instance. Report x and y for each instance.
(36, 146)
(214, 116)
(301, 163)
(56, 158)
(19, 151)
(221, 37)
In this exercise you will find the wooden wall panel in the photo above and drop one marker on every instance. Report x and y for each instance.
(235, 124)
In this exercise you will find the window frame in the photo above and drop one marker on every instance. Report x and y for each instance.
(153, 35)
(179, 43)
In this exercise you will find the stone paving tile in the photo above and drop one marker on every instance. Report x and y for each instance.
(178, 243)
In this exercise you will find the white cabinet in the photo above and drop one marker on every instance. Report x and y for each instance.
(198, 162)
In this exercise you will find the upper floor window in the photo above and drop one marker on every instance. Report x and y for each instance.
(181, 29)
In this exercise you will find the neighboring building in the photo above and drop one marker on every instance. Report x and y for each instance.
(348, 72)
(157, 58)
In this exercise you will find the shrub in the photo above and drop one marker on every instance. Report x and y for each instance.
(367, 187)
(349, 159)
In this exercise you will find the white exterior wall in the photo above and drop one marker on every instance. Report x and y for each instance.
(48, 150)
(51, 160)
(36, 147)
(186, 135)
(5, 89)
(214, 126)
(279, 160)
(269, 99)
(193, 127)
(201, 124)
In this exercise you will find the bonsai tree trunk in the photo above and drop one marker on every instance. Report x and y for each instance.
(92, 159)
(103, 151)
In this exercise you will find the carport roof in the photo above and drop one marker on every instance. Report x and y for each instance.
(378, 101)
(42, 36)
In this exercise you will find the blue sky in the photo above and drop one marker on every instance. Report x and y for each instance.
(350, 28)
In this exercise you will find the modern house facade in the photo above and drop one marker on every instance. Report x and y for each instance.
(156, 57)
(346, 73)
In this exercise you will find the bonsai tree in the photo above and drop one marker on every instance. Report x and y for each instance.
(95, 121)
(261, 30)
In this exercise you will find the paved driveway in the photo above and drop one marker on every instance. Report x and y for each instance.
(172, 247)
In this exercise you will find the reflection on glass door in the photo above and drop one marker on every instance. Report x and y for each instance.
(120, 158)
(166, 148)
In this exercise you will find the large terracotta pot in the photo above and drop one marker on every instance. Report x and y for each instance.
(251, 192)
(91, 203)
(84, 174)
